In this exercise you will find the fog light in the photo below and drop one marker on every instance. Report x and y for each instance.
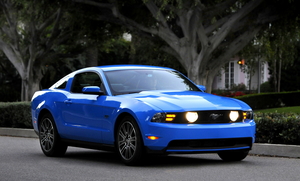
(234, 115)
(191, 116)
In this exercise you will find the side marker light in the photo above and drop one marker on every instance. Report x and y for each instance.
(152, 137)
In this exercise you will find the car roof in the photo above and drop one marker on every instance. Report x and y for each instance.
(130, 67)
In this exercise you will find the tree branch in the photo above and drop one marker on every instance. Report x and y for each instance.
(10, 53)
(213, 11)
(235, 46)
(163, 31)
(209, 29)
(97, 4)
(230, 24)
(156, 13)
(11, 29)
(48, 21)
(55, 30)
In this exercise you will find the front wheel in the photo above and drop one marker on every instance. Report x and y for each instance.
(49, 139)
(129, 143)
(233, 155)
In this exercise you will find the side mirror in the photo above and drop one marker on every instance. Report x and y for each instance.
(202, 88)
(95, 90)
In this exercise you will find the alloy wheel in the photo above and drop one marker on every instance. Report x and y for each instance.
(127, 140)
(47, 134)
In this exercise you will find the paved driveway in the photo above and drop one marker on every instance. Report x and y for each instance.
(22, 159)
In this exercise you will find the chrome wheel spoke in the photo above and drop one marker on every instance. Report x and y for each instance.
(127, 140)
(47, 134)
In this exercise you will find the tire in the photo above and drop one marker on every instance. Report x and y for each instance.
(129, 143)
(50, 141)
(233, 155)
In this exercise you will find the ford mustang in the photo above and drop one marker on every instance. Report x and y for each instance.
(137, 110)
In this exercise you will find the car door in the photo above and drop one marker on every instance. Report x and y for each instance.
(83, 114)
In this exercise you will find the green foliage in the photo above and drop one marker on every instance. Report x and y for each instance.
(290, 75)
(114, 51)
(293, 109)
(271, 100)
(277, 128)
(266, 87)
(279, 48)
(146, 53)
(239, 87)
(15, 115)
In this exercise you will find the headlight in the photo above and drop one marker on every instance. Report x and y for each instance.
(233, 115)
(191, 116)
(248, 115)
(159, 118)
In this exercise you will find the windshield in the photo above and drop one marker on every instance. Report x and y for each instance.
(134, 81)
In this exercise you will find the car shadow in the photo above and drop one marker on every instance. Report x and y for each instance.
(172, 160)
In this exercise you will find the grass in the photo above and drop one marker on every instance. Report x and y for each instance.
(295, 109)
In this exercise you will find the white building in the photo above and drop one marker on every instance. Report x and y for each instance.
(234, 74)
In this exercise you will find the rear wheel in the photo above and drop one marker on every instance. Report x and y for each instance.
(233, 155)
(129, 143)
(49, 139)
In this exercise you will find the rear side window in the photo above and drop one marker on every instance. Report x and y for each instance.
(61, 84)
(85, 79)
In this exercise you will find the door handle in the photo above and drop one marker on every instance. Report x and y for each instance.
(68, 102)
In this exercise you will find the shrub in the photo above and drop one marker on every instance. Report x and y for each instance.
(272, 100)
(277, 128)
(266, 87)
(15, 115)
(239, 87)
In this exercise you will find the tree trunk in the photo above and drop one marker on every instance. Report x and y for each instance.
(206, 78)
(29, 89)
(279, 72)
(30, 83)
(250, 80)
(275, 75)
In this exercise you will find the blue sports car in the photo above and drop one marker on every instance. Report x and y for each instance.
(135, 110)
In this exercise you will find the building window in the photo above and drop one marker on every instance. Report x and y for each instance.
(229, 75)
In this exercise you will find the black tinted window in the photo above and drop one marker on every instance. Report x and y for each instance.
(85, 79)
(130, 81)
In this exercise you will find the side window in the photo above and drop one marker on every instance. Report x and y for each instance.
(85, 79)
(61, 84)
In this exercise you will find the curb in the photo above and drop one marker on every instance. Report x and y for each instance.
(18, 132)
(291, 151)
(278, 150)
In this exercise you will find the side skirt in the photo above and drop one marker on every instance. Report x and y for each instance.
(89, 145)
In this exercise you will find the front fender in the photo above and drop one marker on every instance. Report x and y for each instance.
(140, 111)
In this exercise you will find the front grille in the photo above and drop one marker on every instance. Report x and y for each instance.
(208, 117)
(210, 144)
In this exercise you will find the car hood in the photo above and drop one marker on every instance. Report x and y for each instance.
(188, 101)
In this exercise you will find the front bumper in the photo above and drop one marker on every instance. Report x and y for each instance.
(195, 138)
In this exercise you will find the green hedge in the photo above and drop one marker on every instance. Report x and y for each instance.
(15, 115)
(271, 100)
(278, 128)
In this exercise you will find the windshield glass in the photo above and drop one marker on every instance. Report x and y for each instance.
(134, 81)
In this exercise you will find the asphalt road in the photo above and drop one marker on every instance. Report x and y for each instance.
(22, 159)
